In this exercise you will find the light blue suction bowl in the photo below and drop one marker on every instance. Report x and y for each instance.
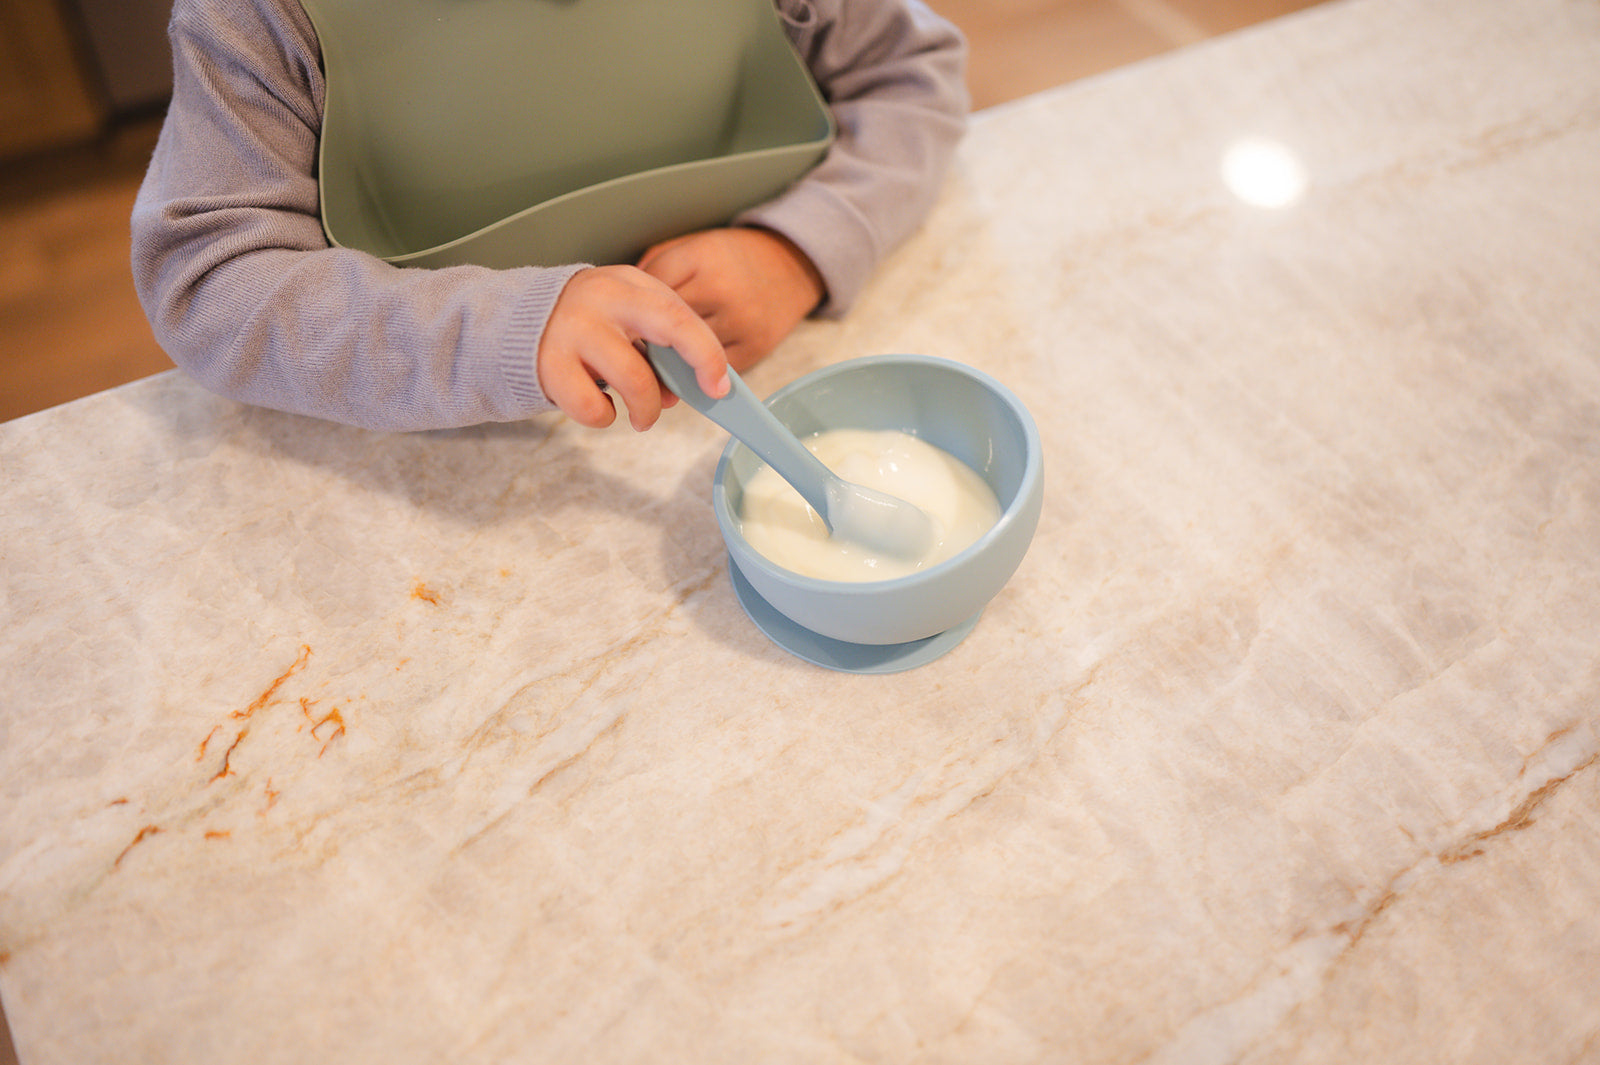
(884, 626)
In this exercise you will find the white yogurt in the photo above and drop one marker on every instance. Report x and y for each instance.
(782, 527)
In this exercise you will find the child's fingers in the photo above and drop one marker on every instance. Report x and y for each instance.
(676, 264)
(578, 387)
(591, 336)
(570, 386)
(627, 374)
(658, 261)
(662, 317)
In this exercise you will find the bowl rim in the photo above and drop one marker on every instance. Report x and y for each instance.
(1032, 474)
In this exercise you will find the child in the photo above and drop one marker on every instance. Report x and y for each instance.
(243, 290)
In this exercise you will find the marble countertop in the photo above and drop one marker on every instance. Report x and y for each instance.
(320, 745)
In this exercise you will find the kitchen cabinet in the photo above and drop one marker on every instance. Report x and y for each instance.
(127, 43)
(48, 96)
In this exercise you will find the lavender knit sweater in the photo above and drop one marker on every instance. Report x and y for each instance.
(245, 294)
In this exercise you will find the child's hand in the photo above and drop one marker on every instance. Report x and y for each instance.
(590, 338)
(751, 286)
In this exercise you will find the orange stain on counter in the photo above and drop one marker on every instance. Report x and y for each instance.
(421, 591)
(227, 756)
(264, 699)
(338, 729)
(144, 833)
(272, 689)
(332, 717)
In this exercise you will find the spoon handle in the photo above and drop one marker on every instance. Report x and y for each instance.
(749, 421)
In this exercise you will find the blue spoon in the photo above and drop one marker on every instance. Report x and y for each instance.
(851, 511)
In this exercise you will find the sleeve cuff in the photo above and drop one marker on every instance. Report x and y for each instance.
(519, 366)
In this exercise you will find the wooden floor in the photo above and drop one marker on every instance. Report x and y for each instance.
(69, 323)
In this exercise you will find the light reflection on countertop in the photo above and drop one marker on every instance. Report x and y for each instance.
(1264, 173)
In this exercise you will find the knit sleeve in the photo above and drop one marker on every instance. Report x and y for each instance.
(893, 73)
(239, 282)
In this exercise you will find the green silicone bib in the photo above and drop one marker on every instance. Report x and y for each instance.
(539, 132)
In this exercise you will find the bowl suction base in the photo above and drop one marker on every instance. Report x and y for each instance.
(837, 654)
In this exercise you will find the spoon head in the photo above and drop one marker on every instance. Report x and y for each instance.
(874, 519)
(878, 520)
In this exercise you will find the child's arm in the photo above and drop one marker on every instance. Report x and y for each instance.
(893, 73)
(243, 292)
